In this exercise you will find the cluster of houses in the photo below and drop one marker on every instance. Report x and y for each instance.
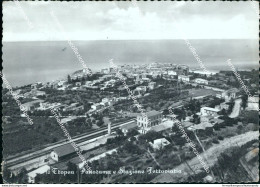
(208, 119)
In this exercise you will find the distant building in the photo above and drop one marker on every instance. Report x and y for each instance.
(151, 85)
(74, 107)
(184, 78)
(159, 143)
(224, 106)
(62, 152)
(31, 175)
(162, 127)
(78, 83)
(154, 118)
(109, 128)
(170, 72)
(96, 106)
(105, 102)
(201, 81)
(215, 121)
(36, 93)
(207, 111)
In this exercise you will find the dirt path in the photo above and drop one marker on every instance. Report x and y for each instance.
(211, 155)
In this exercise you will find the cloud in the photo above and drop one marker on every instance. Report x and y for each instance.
(125, 20)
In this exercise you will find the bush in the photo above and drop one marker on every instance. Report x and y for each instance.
(220, 138)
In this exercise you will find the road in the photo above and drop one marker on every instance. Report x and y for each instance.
(211, 155)
(236, 108)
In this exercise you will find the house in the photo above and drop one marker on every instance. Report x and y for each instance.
(202, 126)
(78, 83)
(128, 127)
(215, 121)
(159, 143)
(151, 85)
(36, 85)
(62, 152)
(186, 124)
(253, 103)
(154, 118)
(31, 175)
(207, 111)
(224, 106)
(229, 94)
(141, 88)
(184, 78)
(61, 83)
(146, 80)
(172, 73)
(105, 102)
(32, 105)
(201, 81)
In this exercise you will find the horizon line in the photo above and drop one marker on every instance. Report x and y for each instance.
(126, 40)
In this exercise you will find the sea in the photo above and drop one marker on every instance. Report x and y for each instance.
(44, 61)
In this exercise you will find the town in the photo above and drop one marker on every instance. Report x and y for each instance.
(101, 117)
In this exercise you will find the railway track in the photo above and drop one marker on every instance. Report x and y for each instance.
(78, 139)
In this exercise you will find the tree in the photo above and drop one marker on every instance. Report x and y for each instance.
(22, 176)
(231, 105)
(72, 167)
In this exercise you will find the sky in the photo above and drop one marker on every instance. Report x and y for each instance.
(32, 21)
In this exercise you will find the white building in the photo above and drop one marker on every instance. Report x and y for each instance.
(159, 143)
(31, 175)
(141, 88)
(207, 111)
(152, 118)
(201, 81)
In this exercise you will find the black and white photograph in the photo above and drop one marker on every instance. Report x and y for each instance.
(130, 92)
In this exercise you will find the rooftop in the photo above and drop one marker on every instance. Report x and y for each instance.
(202, 126)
